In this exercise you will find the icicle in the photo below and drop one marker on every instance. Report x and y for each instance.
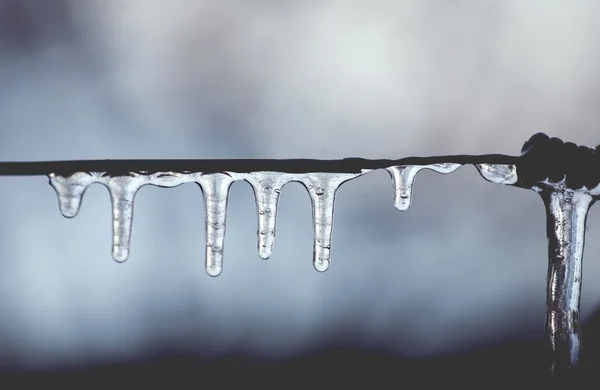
(498, 173)
(215, 191)
(566, 218)
(70, 190)
(403, 177)
(122, 193)
(267, 188)
(322, 188)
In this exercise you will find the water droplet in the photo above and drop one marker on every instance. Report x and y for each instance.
(215, 192)
(319, 191)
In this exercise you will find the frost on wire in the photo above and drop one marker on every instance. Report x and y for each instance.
(562, 173)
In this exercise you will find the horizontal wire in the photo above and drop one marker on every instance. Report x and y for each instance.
(347, 165)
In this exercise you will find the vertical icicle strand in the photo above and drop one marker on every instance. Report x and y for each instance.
(215, 190)
(122, 191)
(566, 219)
(322, 188)
(267, 188)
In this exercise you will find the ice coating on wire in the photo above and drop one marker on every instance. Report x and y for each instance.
(267, 186)
(122, 189)
(498, 173)
(567, 177)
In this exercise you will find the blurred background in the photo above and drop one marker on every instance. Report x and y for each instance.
(460, 275)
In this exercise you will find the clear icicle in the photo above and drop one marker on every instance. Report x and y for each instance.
(498, 173)
(70, 190)
(122, 193)
(403, 177)
(215, 190)
(566, 219)
(267, 188)
(322, 188)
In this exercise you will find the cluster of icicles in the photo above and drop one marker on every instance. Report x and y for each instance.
(267, 186)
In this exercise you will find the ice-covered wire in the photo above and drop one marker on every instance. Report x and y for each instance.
(566, 176)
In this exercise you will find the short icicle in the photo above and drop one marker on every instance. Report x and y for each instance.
(215, 191)
(267, 188)
(70, 190)
(403, 178)
(122, 193)
(322, 188)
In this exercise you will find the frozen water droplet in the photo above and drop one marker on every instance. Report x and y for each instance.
(70, 190)
(122, 193)
(498, 173)
(267, 188)
(403, 178)
(215, 191)
(322, 188)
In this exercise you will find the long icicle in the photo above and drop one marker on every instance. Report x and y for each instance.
(322, 188)
(566, 219)
(267, 189)
(122, 194)
(215, 192)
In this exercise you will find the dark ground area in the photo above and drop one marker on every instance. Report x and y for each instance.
(522, 363)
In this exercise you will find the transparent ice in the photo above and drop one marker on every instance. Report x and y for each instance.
(267, 187)
(321, 187)
(403, 178)
(566, 211)
(566, 217)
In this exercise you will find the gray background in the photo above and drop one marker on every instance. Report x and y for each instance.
(465, 266)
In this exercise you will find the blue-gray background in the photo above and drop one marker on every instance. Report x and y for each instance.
(464, 267)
